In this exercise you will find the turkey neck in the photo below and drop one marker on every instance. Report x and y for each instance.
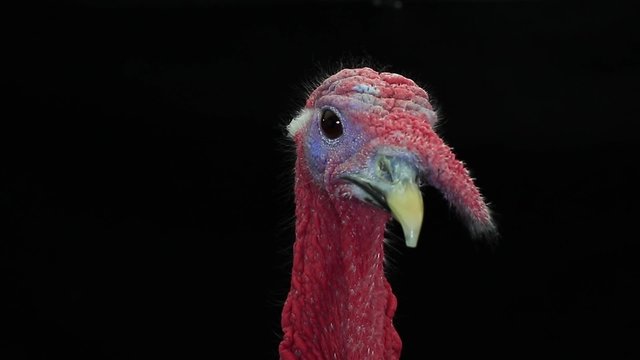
(340, 305)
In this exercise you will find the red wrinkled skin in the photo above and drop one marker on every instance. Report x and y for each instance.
(340, 305)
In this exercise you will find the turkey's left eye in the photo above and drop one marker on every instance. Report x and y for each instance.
(331, 124)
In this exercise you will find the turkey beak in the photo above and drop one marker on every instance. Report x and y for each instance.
(392, 184)
(405, 201)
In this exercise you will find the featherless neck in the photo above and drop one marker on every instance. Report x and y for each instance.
(340, 305)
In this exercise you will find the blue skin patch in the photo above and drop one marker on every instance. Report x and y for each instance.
(321, 150)
(366, 89)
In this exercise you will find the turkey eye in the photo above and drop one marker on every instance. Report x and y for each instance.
(331, 124)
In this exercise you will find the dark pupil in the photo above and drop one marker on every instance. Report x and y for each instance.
(331, 124)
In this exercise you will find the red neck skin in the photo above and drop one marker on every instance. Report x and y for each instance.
(340, 305)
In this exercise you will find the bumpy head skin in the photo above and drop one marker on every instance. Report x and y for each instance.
(387, 121)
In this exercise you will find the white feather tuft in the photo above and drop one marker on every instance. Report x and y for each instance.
(299, 121)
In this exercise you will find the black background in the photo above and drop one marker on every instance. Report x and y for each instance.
(145, 188)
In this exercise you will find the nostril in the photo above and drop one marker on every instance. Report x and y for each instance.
(384, 168)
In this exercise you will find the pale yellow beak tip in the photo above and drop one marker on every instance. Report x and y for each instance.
(411, 237)
(405, 202)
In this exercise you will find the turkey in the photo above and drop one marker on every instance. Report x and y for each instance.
(365, 142)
